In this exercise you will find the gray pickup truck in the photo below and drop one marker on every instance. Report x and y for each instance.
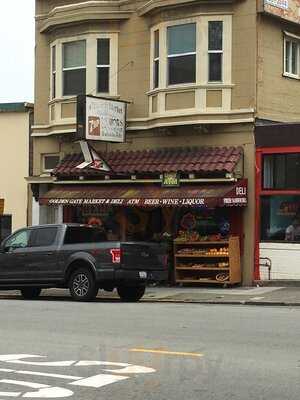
(77, 257)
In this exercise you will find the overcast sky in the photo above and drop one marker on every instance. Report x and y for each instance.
(17, 51)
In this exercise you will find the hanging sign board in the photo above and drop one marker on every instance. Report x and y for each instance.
(285, 9)
(1, 206)
(170, 179)
(100, 119)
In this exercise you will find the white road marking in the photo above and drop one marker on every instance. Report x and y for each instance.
(100, 380)
(50, 393)
(6, 370)
(24, 383)
(257, 298)
(89, 363)
(17, 359)
(133, 369)
(10, 394)
(49, 375)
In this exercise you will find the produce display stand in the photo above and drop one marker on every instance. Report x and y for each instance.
(216, 262)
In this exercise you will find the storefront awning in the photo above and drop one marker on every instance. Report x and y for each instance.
(149, 195)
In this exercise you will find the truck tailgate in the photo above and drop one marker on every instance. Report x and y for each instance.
(143, 256)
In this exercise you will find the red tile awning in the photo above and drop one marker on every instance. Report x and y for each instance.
(205, 161)
(149, 195)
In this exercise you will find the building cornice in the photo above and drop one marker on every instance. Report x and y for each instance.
(83, 12)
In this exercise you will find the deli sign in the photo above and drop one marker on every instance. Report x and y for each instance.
(238, 196)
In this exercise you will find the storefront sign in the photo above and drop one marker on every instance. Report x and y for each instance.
(285, 9)
(150, 202)
(170, 179)
(1, 206)
(100, 119)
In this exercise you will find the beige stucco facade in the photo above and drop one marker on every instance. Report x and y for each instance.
(199, 114)
(14, 161)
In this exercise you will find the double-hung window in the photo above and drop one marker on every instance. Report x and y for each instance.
(215, 51)
(181, 44)
(291, 53)
(103, 65)
(156, 60)
(74, 68)
(53, 71)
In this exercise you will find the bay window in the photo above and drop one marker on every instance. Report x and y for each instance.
(195, 51)
(181, 53)
(85, 64)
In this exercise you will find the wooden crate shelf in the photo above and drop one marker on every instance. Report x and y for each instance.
(186, 273)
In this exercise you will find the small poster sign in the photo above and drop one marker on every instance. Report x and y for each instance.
(170, 179)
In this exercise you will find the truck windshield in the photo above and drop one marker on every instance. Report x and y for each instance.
(82, 234)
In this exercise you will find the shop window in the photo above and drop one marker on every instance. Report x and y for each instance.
(74, 68)
(280, 218)
(291, 56)
(281, 171)
(215, 50)
(181, 53)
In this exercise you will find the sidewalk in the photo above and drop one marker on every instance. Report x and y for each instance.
(264, 296)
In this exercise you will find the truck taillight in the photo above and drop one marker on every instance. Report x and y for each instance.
(115, 256)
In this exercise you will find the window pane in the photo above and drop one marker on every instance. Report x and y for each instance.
(156, 44)
(53, 85)
(182, 69)
(53, 58)
(74, 54)
(181, 39)
(293, 171)
(103, 80)
(215, 35)
(280, 218)
(50, 162)
(287, 55)
(84, 235)
(103, 52)
(279, 171)
(74, 82)
(44, 237)
(215, 66)
(268, 172)
(294, 58)
(156, 73)
(20, 239)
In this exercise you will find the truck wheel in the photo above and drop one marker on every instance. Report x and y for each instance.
(131, 293)
(30, 293)
(82, 285)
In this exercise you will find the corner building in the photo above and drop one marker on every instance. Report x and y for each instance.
(189, 72)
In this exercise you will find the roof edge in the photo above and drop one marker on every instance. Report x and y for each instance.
(16, 107)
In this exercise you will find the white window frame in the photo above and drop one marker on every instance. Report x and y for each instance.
(44, 170)
(53, 72)
(91, 64)
(155, 59)
(289, 37)
(201, 52)
(215, 52)
(191, 53)
(105, 66)
(81, 67)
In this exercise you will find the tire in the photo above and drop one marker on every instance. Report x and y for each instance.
(131, 293)
(30, 293)
(82, 285)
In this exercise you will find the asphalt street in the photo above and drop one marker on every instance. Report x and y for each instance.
(111, 350)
